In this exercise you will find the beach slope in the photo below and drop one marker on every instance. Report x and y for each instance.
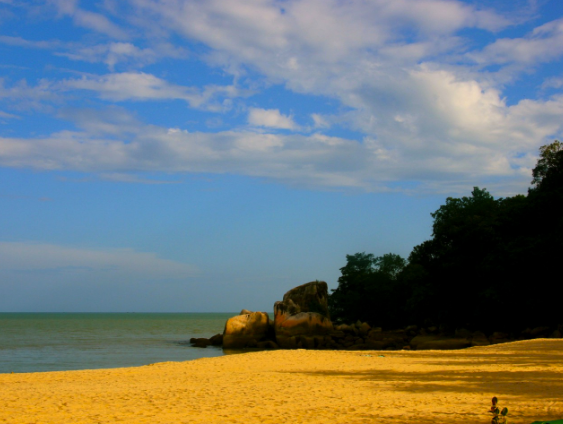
(302, 386)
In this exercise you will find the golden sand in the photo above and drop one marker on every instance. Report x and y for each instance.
(300, 386)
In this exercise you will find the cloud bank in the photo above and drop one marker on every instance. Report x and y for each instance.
(416, 82)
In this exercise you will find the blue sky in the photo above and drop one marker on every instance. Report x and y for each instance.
(194, 156)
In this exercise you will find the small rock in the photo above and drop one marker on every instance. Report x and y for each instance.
(200, 342)
(364, 328)
(216, 340)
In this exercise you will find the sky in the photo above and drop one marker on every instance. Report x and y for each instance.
(209, 155)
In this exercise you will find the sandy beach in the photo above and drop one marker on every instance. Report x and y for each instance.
(301, 386)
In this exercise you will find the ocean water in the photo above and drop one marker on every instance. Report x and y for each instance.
(35, 342)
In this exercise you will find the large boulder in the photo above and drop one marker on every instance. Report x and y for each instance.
(246, 330)
(310, 297)
(302, 320)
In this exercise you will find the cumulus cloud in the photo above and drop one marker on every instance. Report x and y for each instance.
(124, 264)
(114, 144)
(315, 160)
(271, 118)
(371, 57)
(398, 71)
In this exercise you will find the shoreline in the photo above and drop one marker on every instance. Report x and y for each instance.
(301, 386)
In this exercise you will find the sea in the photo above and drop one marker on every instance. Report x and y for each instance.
(38, 342)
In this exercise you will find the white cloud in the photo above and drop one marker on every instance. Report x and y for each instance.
(88, 19)
(25, 96)
(141, 86)
(111, 54)
(114, 144)
(104, 264)
(320, 121)
(119, 52)
(271, 118)
(132, 179)
(368, 56)
(543, 44)
(394, 68)
(327, 29)
(553, 82)
(21, 42)
(129, 86)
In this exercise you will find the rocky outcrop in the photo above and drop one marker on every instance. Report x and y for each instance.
(302, 320)
(247, 330)
(309, 297)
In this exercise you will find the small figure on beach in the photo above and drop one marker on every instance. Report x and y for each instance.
(499, 416)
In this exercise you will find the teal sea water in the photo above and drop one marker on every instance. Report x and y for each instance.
(35, 342)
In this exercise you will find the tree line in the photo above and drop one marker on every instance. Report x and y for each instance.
(490, 265)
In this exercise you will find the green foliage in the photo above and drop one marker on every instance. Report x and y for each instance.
(490, 254)
(550, 157)
(485, 255)
(368, 290)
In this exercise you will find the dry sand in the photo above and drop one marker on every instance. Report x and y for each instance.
(302, 386)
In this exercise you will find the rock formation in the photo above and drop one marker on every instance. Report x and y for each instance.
(247, 330)
(302, 320)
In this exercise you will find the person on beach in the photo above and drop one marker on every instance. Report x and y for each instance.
(499, 417)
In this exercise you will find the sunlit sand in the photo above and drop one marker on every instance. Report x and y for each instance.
(301, 386)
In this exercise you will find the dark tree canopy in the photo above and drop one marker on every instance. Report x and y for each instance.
(367, 286)
(550, 157)
(491, 264)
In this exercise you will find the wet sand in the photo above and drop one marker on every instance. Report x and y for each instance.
(300, 386)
